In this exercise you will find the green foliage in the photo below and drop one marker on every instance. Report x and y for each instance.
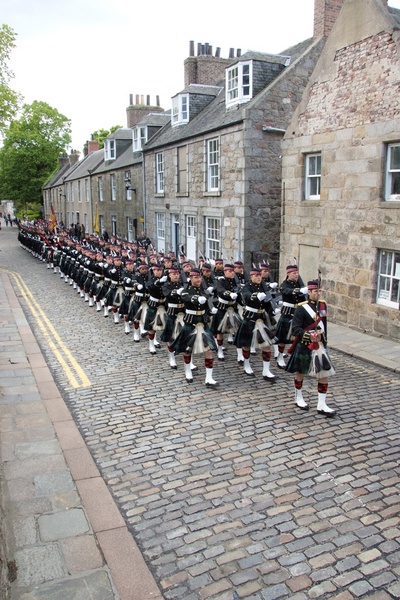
(9, 99)
(30, 152)
(30, 210)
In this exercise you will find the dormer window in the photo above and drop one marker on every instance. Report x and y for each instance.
(139, 138)
(180, 109)
(239, 85)
(110, 150)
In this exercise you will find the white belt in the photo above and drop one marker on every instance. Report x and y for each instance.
(254, 310)
(174, 305)
(223, 301)
(156, 299)
(128, 289)
(288, 304)
(195, 312)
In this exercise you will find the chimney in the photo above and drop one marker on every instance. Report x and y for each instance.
(325, 15)
(73, 157)
(205, 68)
(92, 146)
(62, 160)
(135, 112)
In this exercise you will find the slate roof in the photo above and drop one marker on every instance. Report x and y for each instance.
(216, 116)
(57, 178)
(89, 163)
(125, 159)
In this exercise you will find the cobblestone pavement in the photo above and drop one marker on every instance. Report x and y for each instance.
(231, 493)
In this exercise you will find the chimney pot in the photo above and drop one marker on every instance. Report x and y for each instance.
(191, 48)
(130, 99)
(148, 100)
(231, 53)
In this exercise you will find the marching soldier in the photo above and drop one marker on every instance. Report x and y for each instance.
(308, 352)
(226, 319)
(172, 290)
(196, 336)
(257, 326)
(155, 315)
(293, 292)
(127, 284)
(138, 304)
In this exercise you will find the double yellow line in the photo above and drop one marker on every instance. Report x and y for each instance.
(74, 373)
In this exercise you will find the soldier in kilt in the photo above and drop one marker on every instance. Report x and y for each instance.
(226, 319)
(196, 336)
(308, 352)
(175, 308)
(257, 328)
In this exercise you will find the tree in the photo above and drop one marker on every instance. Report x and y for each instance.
(30, 152)
(100, 135)
(9, 100)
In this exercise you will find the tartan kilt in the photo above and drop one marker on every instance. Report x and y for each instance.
(194, 339)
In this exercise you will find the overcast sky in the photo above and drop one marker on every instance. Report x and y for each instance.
(85, 57)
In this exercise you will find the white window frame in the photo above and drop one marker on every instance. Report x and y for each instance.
(113, 187)
(313, 167)
(114, 225)
(212, 229)
(128, 189)
(87, 190)
(110, 150)
(388, 286)
(79, 191)
(100, 189)
(139, 137)
(180, 109)
(392, 173)
(159, 160)
(212, 157)
(129, 228)
(160, 225)
(239, 83)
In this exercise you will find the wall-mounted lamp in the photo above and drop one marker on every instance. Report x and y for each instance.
(129, 188)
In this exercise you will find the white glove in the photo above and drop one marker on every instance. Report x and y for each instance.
(304, 290)
(163, 279)
(277, 311)
(233, 295)
(214, 310)
(139, 286)
(273, 286)
(261, 296)
(179, 291)
(210, 289)
(128, 281)
(202, 299)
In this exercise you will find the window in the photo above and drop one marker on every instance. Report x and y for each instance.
(393, 172)
(87, 190)
(79, 191)
(114, 225)
(388, 279)
(182, 181)
(213, 237)
(113, 188)
(160, 217)
(139, 138)
(212, 183)
(313, 176)
(239, 83)
(110, 152)
(159, 173)
(180, 109)
(128, 188)
(129, 228)
(100, 189)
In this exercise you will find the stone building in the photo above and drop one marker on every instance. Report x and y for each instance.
(213, 174)
(341, 170)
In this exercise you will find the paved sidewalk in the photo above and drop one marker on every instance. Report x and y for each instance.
(66, 537)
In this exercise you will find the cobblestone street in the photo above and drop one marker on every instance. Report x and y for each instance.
(230, 493)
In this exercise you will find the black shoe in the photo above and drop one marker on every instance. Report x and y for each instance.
(212, 385)
(270, 379)
(189, 380)
(306, 407)
(329, 414)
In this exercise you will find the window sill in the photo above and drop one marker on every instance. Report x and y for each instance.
(390, 204)
(182, 194)
(159, 195)
(216, 193)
